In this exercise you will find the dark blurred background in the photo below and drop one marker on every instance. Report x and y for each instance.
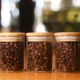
(26, 15)
(40, 15)
(17, 15)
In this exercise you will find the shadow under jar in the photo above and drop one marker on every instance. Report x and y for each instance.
(39, 51)
(68, 51)
(12, 51)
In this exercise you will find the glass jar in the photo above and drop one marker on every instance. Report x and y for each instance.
(39, 51)
(12, 51)
(68, 51)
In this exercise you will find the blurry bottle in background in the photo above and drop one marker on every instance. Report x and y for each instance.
(38, 25)
(58, 15)
(10, 15)
(26, 15)
(17, 15)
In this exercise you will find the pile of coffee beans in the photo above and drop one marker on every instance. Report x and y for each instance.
(68, 56)
(11, 56)
(39, 56)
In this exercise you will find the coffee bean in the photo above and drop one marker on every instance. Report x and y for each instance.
(39, 56)
(12, 56)
(7, 57)
(68, 56)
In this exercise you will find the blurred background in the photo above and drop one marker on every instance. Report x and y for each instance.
(39, 15)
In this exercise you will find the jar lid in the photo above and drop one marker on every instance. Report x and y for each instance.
(14, 34)
(40, 34)
(67, 34)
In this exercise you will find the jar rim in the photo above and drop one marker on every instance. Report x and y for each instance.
(40, 34)
(67, 34)
(14, 34)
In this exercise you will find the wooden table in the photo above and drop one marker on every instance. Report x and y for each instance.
(39, 76)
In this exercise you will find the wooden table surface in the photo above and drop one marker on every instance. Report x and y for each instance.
(39, 76)
(25, 75)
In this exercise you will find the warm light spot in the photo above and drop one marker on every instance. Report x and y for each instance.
(76, 3)
(40, 3)
(40, 28)
(5, 14)
(15, 13)
(55, 5)
(12, 6)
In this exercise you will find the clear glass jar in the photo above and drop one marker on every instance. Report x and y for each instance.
(12, 51)
(39, 51)
(68, 51)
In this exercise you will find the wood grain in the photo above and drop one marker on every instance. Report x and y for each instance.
(39, 76)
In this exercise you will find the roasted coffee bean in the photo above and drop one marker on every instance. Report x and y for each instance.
(39, 56)
(12, 56)
(68, 56)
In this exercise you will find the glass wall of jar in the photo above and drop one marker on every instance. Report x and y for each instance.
(58, 15)
(67, 51)
(12, 51)
(39, 51)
